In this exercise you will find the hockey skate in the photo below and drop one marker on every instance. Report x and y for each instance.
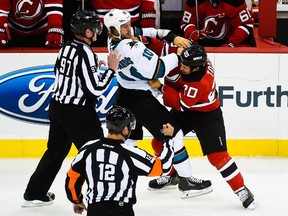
(191, 187)
(37, 202)
(247, 198)
(164, 183)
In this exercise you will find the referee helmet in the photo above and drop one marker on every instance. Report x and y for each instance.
(118, 117)
(83, 19)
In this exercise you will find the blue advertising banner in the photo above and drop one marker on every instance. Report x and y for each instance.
(25, 94)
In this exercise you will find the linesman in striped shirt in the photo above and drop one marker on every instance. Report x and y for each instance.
(72, 112)
(111, 168)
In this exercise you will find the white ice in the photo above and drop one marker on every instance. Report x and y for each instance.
(267, 178)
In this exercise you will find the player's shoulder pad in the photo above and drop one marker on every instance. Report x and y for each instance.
(234, 3)
(191, 3)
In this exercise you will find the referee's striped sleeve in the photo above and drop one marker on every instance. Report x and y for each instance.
(93, 81)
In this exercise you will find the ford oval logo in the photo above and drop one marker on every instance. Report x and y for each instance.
(25, 94)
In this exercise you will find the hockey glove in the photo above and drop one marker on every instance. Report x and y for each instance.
(197, 36)
(54, 38)
(4, 37)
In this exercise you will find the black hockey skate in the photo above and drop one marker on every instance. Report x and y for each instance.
(164, 183)
(191, 187)
(38, 201)
(247, 198)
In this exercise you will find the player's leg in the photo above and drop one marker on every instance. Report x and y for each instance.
(153, 120)
(211, 135)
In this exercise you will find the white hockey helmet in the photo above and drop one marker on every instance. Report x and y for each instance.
(115, 18)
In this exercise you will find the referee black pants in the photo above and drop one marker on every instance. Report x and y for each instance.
(110, 209)
(68, 124)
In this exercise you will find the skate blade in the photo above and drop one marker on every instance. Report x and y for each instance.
(35, 203)
(194, 193)
(253, 205)
(169, 187)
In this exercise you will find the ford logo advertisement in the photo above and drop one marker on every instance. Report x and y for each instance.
(25, 94)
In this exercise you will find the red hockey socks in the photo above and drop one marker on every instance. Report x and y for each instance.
(227, 168)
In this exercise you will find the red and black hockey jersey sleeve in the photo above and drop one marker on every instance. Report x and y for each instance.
(240, 21)
(5, 7)
(54, 10)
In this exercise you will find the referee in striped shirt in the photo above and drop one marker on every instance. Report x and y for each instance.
(111, 168)
(72, 112)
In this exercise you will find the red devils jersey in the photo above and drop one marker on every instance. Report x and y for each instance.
(229, 22)
(30, 17)
(137, 8)
(196, 91)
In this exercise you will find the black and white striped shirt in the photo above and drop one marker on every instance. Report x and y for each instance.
(77, 80)
(111, 169)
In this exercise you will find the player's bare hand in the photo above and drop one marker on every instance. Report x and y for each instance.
(79, 208)
(155, 83)
(179, 50)
(168, 130)
(102, 63)
(113, 59)
(181, 42)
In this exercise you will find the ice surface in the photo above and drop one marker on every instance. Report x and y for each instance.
(267, 178)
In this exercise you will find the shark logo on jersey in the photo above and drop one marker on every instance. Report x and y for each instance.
(25, 94)
(133, 44)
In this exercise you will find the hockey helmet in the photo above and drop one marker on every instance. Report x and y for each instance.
(115, 18)
(83, 19)
(193, 56)
(118, 117)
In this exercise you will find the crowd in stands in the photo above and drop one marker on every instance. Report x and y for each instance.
(46, 23)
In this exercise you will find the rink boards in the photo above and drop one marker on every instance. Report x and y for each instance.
(252, 87)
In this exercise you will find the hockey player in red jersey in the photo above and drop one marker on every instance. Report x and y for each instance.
(36, 23)
(190, 90)
(224, 23)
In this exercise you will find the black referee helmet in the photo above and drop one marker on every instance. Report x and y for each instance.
(193, 56)
(118, 117)
(83, 19)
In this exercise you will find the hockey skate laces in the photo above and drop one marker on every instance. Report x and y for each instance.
(195, 180)
(162, 180)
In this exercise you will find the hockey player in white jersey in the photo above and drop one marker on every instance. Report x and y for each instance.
(137, 66)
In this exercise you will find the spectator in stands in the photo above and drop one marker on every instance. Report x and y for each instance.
(218, 23)
(35, 23)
